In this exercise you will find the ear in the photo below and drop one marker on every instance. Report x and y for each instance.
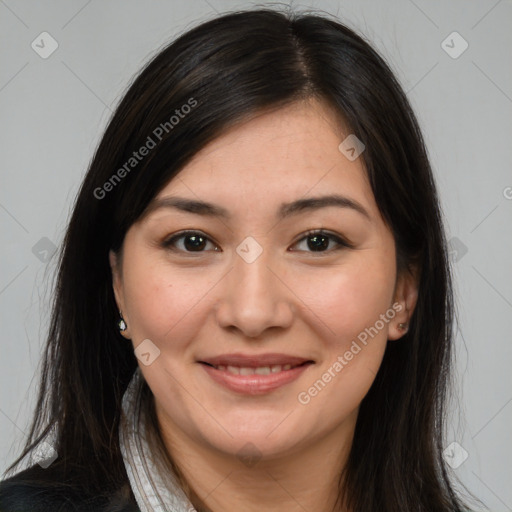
(116, 278)
(117, 285)
(406, 297)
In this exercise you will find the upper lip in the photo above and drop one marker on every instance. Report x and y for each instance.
(254, 361)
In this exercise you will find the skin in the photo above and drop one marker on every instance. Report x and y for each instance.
(291, 299)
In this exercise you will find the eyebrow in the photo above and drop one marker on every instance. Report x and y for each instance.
(285, 210)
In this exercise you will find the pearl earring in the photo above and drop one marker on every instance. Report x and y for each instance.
(121, 323)
(402, 326)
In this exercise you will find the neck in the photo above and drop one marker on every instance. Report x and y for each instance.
(307, 479)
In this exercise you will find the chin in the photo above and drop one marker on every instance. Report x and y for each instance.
(258, 435)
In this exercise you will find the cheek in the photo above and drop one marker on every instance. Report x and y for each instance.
(351, 305)
(162, 300)
(349, 297)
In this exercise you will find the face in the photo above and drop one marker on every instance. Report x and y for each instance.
(257, 322)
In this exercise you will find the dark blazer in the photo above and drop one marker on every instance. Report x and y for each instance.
(34, 490)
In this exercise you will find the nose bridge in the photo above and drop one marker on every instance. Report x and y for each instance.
(253, 298)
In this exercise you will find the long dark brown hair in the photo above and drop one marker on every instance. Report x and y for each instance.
(227, 70)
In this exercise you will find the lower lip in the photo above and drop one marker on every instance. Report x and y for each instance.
(254, 384)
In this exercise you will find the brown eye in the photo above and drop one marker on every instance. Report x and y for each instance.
(319, 240)
(192, 241)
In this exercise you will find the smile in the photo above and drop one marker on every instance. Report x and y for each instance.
(250, 375)
(260, 370)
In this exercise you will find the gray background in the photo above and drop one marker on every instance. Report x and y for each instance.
(55, 109)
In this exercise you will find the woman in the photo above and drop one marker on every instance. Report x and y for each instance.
(254, 306)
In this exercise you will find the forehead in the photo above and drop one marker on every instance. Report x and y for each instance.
(275, 157)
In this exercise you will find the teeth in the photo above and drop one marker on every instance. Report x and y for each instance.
(260, 370)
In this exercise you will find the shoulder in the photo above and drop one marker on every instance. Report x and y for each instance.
(36, 490)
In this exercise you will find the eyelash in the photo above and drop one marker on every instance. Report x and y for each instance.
(342, 243)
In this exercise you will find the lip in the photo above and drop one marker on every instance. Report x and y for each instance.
(254, 360)
(255, 384)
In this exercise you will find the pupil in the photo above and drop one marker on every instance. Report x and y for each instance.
(197, 242)
(319, 242)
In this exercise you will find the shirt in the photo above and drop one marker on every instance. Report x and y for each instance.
(149, 489)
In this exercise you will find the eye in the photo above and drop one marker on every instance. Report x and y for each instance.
(193, 241)
(318, 241)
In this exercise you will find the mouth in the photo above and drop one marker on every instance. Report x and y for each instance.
(254, 375)
(256, 370)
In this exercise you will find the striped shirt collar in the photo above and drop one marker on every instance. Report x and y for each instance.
(151, 493)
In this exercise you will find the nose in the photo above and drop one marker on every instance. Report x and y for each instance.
(255, 297)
